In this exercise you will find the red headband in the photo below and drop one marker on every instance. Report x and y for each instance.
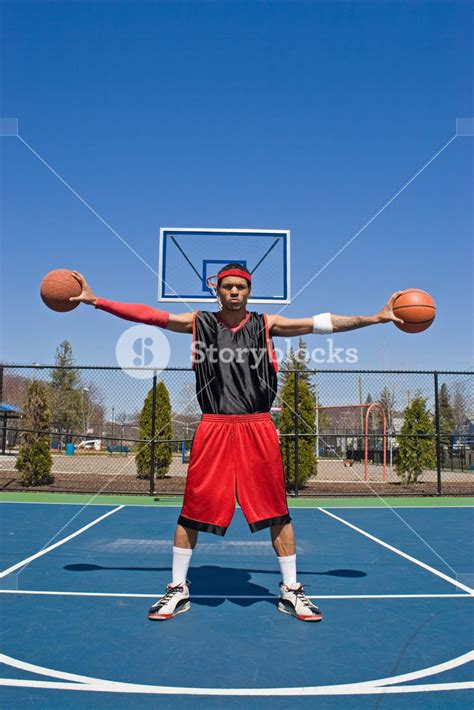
(234, 272)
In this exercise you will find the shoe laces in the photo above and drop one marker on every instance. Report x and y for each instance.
(301, 595)
(170, 592)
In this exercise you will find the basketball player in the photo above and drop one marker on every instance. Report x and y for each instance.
(235, 452)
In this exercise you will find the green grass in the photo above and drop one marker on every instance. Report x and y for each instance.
(346, 502)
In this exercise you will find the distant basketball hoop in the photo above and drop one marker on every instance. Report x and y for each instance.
(370, 407)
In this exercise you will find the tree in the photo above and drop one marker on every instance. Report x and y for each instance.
(34, 460)
(387, 402)
(65, 393)
(306, 410)
(417, 450)
(460, 403)
(447, 422)
(94, 408)
(163, 430)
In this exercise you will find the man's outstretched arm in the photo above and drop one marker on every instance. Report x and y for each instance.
(137, 312)
(329, 322)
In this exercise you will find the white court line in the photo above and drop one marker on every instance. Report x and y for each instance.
(236, 596)
(415, 561)
(151, 690)
(381, 685)
(27, 560)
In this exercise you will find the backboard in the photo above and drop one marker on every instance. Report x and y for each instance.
(188, 257)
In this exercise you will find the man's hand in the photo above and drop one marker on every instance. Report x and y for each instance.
(386, 314)
(87, 294)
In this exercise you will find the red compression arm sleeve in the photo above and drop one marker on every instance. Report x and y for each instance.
(137, 312)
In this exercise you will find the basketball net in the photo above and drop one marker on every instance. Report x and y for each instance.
(211, 283)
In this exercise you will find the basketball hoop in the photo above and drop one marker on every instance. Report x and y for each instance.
(211, 283)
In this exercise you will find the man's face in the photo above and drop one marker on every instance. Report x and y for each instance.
(233, 292)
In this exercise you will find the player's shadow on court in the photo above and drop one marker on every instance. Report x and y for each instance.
(212, 585)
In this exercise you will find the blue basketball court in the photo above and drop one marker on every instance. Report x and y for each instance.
(395, 587)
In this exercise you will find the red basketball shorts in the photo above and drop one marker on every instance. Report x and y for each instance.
(234, 457)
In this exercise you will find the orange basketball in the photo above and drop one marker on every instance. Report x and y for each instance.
(416, 308)
(56, 289)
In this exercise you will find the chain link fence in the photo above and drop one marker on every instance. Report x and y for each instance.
(342, 432)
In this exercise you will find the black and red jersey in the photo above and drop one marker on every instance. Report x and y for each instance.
(235, 367)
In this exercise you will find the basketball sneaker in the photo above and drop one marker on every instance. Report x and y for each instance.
(175, 601)
(293, 601)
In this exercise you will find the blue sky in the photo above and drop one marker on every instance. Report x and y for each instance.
(306, 116)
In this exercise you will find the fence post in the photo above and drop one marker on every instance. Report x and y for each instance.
(296, 433)
(153, 436)
(438, 433)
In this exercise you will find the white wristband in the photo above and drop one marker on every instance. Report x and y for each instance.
(322, 323)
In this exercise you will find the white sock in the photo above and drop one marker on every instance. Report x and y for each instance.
(288, 569)
(181, 562)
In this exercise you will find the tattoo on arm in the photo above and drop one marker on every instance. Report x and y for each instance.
(343, 323)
